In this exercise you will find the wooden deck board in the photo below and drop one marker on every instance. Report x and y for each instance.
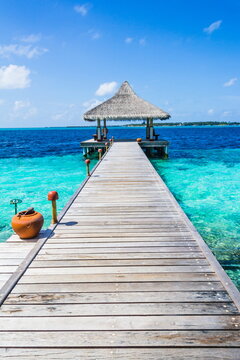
(124, 275)
(111, 353)
(11, 256)
(144, 286)
(119, 297)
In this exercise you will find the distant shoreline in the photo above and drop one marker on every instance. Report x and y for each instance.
(177, 124)
(204, 123)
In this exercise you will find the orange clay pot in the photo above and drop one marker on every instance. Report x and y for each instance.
(27, 225)
(139, 140)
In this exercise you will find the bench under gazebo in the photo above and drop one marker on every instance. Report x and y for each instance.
(125, 105)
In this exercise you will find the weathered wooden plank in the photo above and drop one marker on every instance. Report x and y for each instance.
(118, 270)
(119, 286)
(119, 297)
(114, 323)
(143, 212)
(20, 247)
(118, 309)
(119, 230)
(77, 245)
(86, 216)
(128, 250)
(111, 353)
(4, 277)
(128, 241)
(142, 277)
(7, 269)
(124, 221)
(109, 262)
(12, 255)
(9, 262)
(155, 226)
(119, 256)
(141, 236)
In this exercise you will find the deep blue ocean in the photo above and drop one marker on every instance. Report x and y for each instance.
(203, 173)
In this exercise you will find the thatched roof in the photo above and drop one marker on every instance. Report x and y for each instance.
(125, 105)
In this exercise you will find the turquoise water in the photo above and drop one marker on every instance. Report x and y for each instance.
(203, 172)
(30, 179)
(207, 186)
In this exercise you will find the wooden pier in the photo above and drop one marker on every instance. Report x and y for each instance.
(124, 275)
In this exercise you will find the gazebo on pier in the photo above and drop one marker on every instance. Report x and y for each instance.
(125, 105)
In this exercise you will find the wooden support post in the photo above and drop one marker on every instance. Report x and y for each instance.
(151, 130)
(147, 130)
(87, 162)
(106, 146)
(99, 133)
(105, 130)
(53, 196)
(165, 152)
(54, 212)
(99, 154)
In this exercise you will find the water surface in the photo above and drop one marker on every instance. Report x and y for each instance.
(203, 173)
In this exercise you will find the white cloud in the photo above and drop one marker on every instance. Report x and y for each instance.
(32, 38)
(59, 116)
(142, 41)
(106, 88)
(96, 35)
(226, 113)
(214, 26)
(128, 40)
(210, 111)
(91, 104)
(28, 51)
(68, 113)
(83, 9)
(30, 113)
(230, 82)
(14, 77)
(19, 104)
(23, 109)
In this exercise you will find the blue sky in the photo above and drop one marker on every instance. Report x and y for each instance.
(60, 57)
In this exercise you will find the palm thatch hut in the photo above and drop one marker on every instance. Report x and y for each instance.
(125, 105)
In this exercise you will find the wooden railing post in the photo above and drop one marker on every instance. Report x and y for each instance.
(87, 162)
(99, 154)
(53, 196)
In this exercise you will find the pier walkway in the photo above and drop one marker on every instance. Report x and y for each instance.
(124, 275)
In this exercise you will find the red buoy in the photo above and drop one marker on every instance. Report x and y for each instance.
(52, 195)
